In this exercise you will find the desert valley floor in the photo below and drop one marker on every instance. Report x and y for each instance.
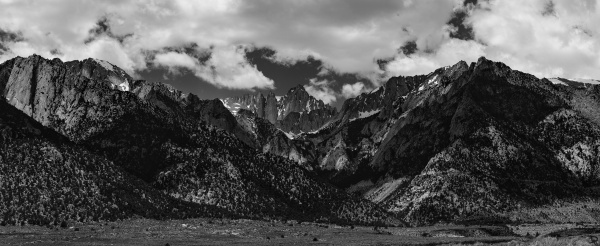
(246, 232)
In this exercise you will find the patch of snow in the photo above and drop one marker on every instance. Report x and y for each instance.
(367, 114)
(124, 86)
(225, 104)
(376, 89)
(288, 135)
(557, 81)
(588, 81)
(422, 87)
(432, 80)
(278, 98)
(322, 127)
(106, 65)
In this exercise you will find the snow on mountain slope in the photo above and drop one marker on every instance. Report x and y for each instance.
(574, 82)
(557, 81)
(588, 81)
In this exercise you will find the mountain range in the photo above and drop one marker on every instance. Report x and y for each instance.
(84, 141)
(293, 113)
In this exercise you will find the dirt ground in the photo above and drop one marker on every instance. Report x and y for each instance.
(244, 232)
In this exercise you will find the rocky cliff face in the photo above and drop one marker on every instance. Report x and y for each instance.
(187, 148)
(265, 108)
(465, 141)
(275, 141)
(295, 112)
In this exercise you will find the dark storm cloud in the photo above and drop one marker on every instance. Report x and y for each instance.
(549, 9)
(103, 28)
(9, 37)
(56, 52)
(409, 48)
(472, 2)
(461, 29)
(382, 62)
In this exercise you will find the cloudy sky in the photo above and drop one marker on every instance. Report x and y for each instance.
(335, 48)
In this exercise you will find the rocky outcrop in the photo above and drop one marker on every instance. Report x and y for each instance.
(271, 108)
(295, 112)
(297, 122)
(276, 142)
(298, 100)
(85, 90)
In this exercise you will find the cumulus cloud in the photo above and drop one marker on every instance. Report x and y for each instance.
(321, 89)
(175, 60)
(548, 38)
(449, 53)
(353, 90)
(347, 35)
(227, 67)
(524, 35)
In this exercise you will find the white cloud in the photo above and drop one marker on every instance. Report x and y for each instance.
(321, 89)
(175, 60)
(348, 35)
(566, 44)
(103, 48)
(449, 53)
(353, 90)
(227, 67)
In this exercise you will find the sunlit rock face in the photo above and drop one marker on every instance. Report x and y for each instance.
(295, 112)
